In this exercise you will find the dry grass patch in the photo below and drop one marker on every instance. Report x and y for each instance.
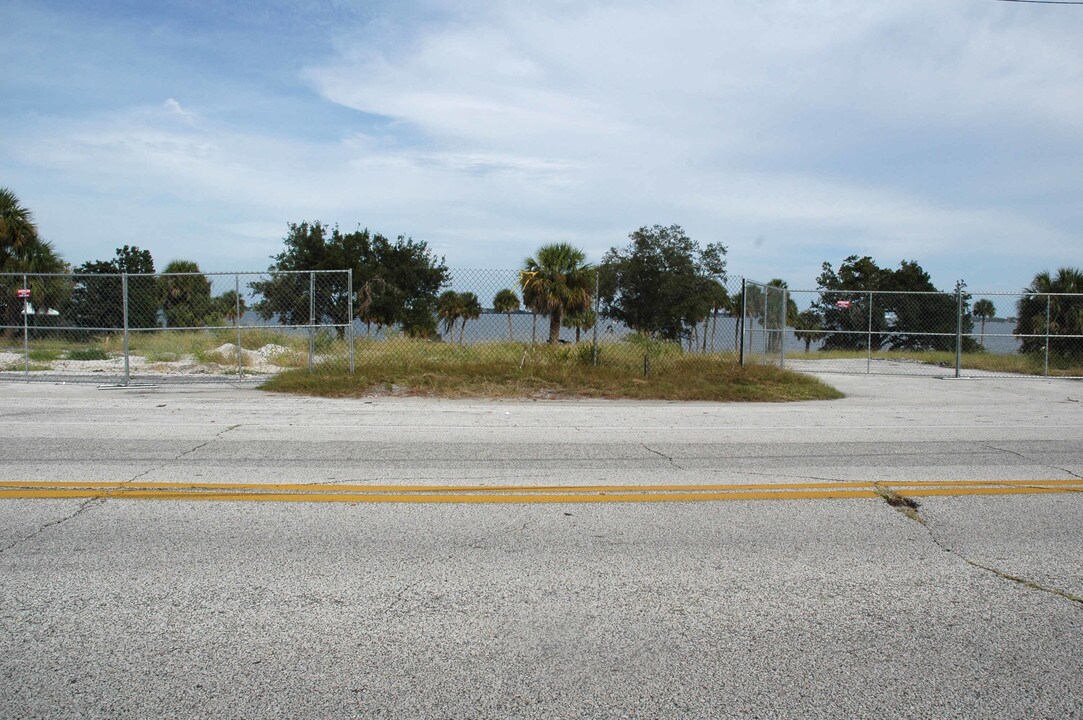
(510, 370)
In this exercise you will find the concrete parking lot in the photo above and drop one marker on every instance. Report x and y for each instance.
(765, 608)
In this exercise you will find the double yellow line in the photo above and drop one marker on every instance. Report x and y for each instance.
(298, 492)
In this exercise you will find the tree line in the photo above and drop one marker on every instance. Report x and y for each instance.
(661, 284)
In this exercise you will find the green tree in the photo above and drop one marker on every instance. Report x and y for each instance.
(410, 277)
(229, 307)
(471, 310)
(18, 232)
(1060, 298)
(579, 321)
(807, 326)
(555, 282)
(186, 295)
(720, 301)
(449, 307)
(395, 282)
(984, 309)
(287, 294)
(660, 283)
(97, 297)
(913, 315)
(22, 250)
(774, 321)
(507, 302)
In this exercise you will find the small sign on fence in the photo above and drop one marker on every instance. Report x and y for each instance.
(23, 293)
(842, 304)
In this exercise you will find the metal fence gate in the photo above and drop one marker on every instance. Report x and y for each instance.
(941, 334)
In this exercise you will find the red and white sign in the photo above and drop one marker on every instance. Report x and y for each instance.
(23, 293)
(842, 304)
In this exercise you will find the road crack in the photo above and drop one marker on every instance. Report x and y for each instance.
(909, 507)
(205, 444)
(662, 455)
(83, 507)
(178, 457)
(1033, 460)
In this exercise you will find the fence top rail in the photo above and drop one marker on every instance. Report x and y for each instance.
(177, 274)
(949, 293)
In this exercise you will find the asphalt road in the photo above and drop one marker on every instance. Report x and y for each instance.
(767, 608)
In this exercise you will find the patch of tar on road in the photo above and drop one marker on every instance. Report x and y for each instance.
(909, 507)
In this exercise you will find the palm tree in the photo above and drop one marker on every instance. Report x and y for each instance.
(230, 307)
(984, 309)
(559, 282)
(17, 229)
(506, 301)
(23, 251)
(469, 309)
(579, 321)
(532, 299)
(186, 294)
(449, 308)
(720, 300)
(806, 327)
(1064, 312)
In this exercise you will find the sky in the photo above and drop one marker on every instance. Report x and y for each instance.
(948, 132)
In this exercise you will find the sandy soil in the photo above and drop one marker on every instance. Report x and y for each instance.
(267, 360)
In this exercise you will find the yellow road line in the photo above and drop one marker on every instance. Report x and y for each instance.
(335, 488)
(521, 493)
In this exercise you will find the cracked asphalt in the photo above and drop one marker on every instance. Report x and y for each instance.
(826, 608)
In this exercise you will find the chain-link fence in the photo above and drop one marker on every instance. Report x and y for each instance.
(960, 334)
(123, 329)
(510, 319)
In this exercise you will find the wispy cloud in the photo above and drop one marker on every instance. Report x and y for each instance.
(794, 132)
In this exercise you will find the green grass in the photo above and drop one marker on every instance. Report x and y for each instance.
(511, 370)
(88, 353)
(44, 354)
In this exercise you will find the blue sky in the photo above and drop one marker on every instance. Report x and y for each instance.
(949, 132)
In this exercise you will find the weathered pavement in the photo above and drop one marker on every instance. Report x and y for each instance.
(772, 608)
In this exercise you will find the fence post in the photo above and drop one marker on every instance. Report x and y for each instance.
(958, 330)
(597, 319)
(26, 332)
(311, 319)
(767, 293)
(782, 331)
(741, 323)
(349, 296)
(237, 322)
(1048, 318)
(868, 359)
(124, 296)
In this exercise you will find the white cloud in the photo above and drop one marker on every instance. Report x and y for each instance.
(825, 126)
(174, 108)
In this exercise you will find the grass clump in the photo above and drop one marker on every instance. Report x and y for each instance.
(88, 353)
(44, 354)
(512, 370)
